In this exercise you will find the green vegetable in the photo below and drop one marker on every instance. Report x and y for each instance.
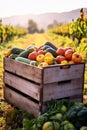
(22, 59)
(34, 63)
(26, 52)
(52, 51)
(51, 45)
(13, 56)
(82, 113)
(16, 50)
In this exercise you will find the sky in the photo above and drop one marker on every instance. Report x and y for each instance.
(19, 7)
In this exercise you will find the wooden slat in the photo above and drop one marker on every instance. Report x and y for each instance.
(77, 98)
(21, 101)
(23, 70)
(55, 73)
(45, 84)
(62, 89)
(23, 85)
(49, 74)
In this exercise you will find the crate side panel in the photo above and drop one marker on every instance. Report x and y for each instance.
(21, 101)
(77, 98)
(63, 89)
(23, 85)
(23, 70)
(55, 73)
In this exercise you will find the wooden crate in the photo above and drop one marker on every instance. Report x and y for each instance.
(29, 87)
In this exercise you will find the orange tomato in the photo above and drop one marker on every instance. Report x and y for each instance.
(76, 57)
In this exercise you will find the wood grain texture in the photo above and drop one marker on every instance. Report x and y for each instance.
(22, 102)
(23, 70)
(55, 73)
(63, 89)
(23, 85)
(29, 87)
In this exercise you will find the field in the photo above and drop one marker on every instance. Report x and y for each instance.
(37, 39)
(72, 35)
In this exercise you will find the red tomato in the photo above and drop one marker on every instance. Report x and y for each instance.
(60, 51)
(41, 52)
(68, 54)
(68, 48)
(59, 59)
(33, 55)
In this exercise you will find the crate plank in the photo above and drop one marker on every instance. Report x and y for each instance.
(21, 101)
(29, 87)
(55, 73)
(23, 70)
(63, 89)
(77, 98)
(23, 85)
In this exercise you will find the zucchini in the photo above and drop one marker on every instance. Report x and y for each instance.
(31, 46)
(52, 51)
(16, 50)
(22, 59)
(13, 56)
(45, 47)
(26, 52)
(51, 45)
(34, 63)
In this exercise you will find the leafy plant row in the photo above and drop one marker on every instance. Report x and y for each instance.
(7, 32)
(77, 29)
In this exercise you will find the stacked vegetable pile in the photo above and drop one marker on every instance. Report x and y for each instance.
(47, 54)
(60, 115)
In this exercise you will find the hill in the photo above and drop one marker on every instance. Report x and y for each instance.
(43, 20)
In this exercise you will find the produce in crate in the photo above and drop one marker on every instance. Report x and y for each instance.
(76, 58)
(59, 59)
(36, 86)
(14, 50)
(51, 45)
(60, 51)
(47, 54)
(68, 54)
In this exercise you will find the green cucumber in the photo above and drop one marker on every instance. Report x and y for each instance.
(13, 56)
(26, 52)
(34, 63)
(22, 59)
(16, 50)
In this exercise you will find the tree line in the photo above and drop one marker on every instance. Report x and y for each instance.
(8, 32)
